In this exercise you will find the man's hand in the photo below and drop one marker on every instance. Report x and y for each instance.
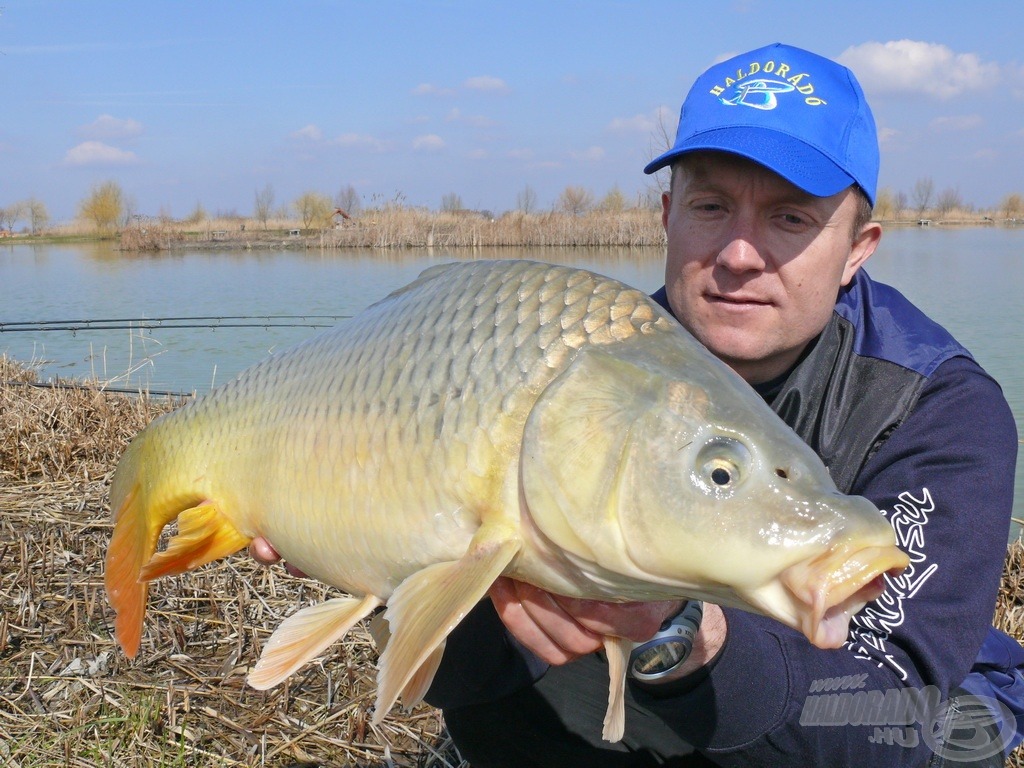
(559, 629)
(262, 552)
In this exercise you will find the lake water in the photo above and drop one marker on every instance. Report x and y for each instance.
(971, 280)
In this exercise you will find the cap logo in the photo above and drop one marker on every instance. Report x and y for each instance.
(760, 92)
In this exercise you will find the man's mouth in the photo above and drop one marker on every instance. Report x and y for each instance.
(737, 299)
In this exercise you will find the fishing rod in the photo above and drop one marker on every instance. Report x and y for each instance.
(153, 323)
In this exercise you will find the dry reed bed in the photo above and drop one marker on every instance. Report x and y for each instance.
(68, 697)
(399, 227)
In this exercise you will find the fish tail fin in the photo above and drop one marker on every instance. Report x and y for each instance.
(142, 507)
(125, 556)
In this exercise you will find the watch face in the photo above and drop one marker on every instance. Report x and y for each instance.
(661, 657)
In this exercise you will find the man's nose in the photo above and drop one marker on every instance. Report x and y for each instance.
(741, 252)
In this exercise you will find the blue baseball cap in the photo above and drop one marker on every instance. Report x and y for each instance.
(796, 113)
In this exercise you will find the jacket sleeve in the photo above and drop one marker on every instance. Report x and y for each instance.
(944, 479)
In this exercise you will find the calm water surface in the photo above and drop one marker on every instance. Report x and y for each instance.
(970, 280)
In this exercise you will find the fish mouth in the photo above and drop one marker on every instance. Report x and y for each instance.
(835, 586)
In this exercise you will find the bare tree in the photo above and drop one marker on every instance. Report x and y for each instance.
(1012, 205)
(198, 215)
(883, 204)
(451, 202)
(899, 205)
(105, 206)
(948, 201)
(38, 216)
(526, 200)
(263, 204)
(575, 201)
(922, 194)
(348, 200)
(613, 202)
(10, 214)
(314, 209)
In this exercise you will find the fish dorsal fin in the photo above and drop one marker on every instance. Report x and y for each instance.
(617, 649)
(429, 604)
(305, 634)
(204, 535)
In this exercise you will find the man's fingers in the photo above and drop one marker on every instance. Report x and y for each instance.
(539, 623)
(261, 551)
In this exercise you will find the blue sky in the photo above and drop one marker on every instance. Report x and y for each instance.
(205, 102)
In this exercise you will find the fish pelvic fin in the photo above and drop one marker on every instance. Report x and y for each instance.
(617, 649)
(204, 535)
(428, 605)
(304, 635)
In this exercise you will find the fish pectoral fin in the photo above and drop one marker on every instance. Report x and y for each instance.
(428, 605)
(617, 649)
(204, 535)
(305, 634)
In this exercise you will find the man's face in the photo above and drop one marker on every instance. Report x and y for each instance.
(755, 264)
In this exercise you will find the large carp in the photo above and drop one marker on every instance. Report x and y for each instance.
(493, 418)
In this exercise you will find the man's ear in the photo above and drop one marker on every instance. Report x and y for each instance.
(666, 206)
(864, 244)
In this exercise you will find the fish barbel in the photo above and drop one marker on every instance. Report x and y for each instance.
(507, 417)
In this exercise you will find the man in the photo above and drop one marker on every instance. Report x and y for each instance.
(774, 170)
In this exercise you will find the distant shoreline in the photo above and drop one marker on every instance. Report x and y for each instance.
(414, 230)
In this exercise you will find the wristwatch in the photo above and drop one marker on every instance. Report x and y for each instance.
(658, 657)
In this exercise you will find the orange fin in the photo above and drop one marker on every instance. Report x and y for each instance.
(305, 634)
(131, 544)
(204, 535)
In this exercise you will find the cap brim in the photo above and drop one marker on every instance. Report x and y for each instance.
(800, 164)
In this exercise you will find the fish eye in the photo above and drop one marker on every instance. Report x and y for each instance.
(721, 464)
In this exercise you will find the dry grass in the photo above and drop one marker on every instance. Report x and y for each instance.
(69, 697)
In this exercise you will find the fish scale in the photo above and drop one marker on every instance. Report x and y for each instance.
(509, 417)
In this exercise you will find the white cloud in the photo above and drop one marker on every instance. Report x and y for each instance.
(956, 123)
(886, 135)
(648, 123)
(477, 154)
(912, 66)
(429, 89)
(589, 155)
(520, 154)
(362, 140)
(477, 121)
(486, 83)
(98, 153)
(110, 127)
(430, 142)
(309, 132)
